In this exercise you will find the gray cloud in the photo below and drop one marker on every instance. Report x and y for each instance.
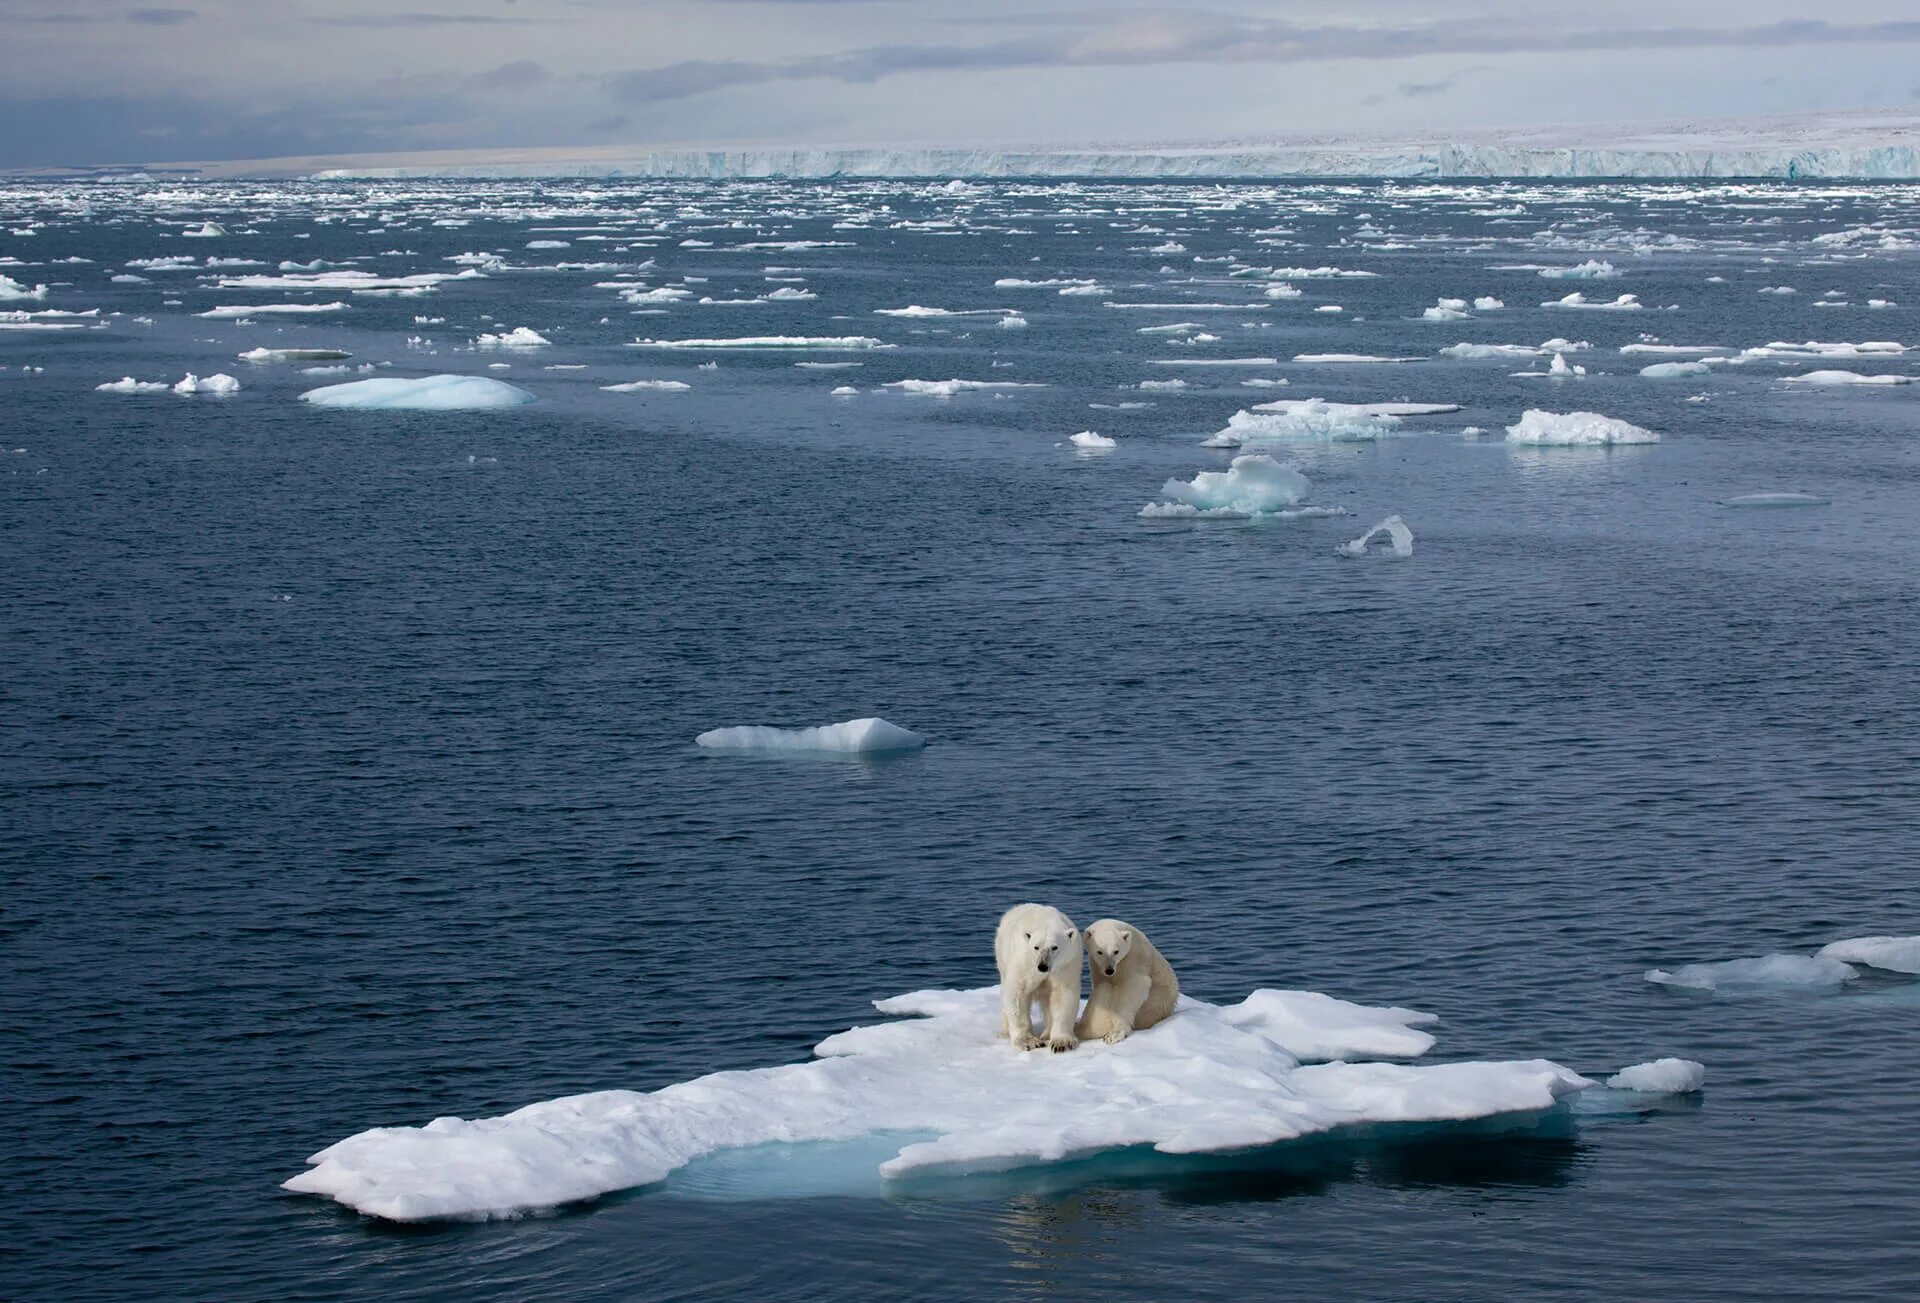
(520, 75)
(162, 17)
(405, 20)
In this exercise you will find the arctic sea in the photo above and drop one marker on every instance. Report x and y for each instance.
(349, 777)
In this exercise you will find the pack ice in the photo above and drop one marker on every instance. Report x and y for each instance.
(442, 393)
(1210, 1079)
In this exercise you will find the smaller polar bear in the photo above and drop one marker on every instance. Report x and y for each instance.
(1038, 951)
(1133, 985)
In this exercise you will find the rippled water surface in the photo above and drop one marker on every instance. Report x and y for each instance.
(348, 775)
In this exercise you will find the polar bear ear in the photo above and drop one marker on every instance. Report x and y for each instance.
(1126, 936)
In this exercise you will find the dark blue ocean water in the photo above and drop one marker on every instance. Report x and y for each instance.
(348, 776)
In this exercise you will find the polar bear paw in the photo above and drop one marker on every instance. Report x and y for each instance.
(1117, 1035)
(1027, 1041)
(1061, 1044)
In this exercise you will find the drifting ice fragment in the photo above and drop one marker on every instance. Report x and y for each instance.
(1765, 973)
(856, 736)
(1846, 378)
(1894, 954)
(128, 385)
(1555, 429)
(214, 384)
(1661, 1077)
(1088, 441)
(443, 393)
(1674, 370)
(1252, 485)
(1776, 500)
(1393, 530)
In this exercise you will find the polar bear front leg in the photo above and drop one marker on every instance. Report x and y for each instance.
(1016, 1018)
(1063, 1002)
(1126, 1007)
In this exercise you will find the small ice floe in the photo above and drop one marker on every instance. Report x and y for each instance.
(234, 312)
(932, 1093)
(951, 388)
(1320, 273)
(1213, 361)
(842, 391)
(1558, 369)
(1447, 310)
(204, 231)
(518, 337)
(1391, 535)
(1310, 418)
(1891, 954)
(12, 290)
(128, 385)
(1353, 358)
(1591, 270)
(1845, 378)
(1671, 350)
(1161, 385)
(1013, 322)
(264, 355)
(1089, 441)
(440, 393)
(1575, 429)
(1176, 328)
(1776, 499)
(1285, 291)
(1675, 370)
(1814, 348)
(642, 386)
(837, 343)
(1764, 973)
(1661, 1077)
(1487, 303)
(213, 384)
(916, 310)
(855, 737)
(1253, 485)
(1625, 303)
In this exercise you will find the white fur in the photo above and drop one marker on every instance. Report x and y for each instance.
(1133, 985)
(1030, 937)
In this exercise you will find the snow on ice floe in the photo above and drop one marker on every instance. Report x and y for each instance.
(840, 343)
(1661, 1077)
(641, 386)
(1089, 441)
(295, 355)
(1845, 378)
(1814, 348)
(1306, 418)
(1591, 270)
(1892, 954)
(213, 384)
(1392, 531)
(1252, 485)
(1210, 1079)
(441, 393)
(1575, 429)
(518, 337)
(1625, 303)
(129, 385)
(12, 290)
(951, 388)
(234, 312)
(1776, 499)
(1675, 370)
(1764, 973)
(854, 737)
(1353, 358)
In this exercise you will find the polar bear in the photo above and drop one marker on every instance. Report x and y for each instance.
(1038, 951)
(1133, 985)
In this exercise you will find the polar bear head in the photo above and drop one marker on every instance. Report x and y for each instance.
(1052, 942)
(1108, 942)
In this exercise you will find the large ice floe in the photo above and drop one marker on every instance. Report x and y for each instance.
(1575, 429)
(854, 737)
(1254, 484)
(937, 1094)
(442, 393)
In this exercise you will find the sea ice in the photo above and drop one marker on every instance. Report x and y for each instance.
(1253, 485)
(12, 290)
(1765, 973)
(518, 337)
(294, 355)
(1894, 954)
(233, 312)
(1088, 441)
(1209, 1079)
(1661, 1077)
(1556, 429)
(441, 393)
(1675, 370)
(1776, 500)
(1845, 378)
(1591, 270)
(1350, 357)
(637, 386)
(949, 388)
(1625, 303)
(213, 384)
(128, 385)
(839, 343)
(856, 736)
(1304, 418)
(1393, 531)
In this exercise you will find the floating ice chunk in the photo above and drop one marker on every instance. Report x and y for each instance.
(1013, 322)
(518, 337)
(1015, 283)
(1814, 348)
(1489, 352)
(1556, 429)
(1661, 1077)
(1350, 358)
(1214, 361)
(213, 384)
(1088, 441)
(1254, 484)
(1448, 310)
(1304, 418)
(842, 391)
(1625, 303)
(1776, 500)
(1487, 303)
(1894, 954)
(128, 385)
(548, 244)
(233, 312)
(1285, 291)
(294, 355)
(1208, 1079)
(949, 388)
(1675, 370)
(638, 386)
(1177, 328)
(1084, 291)
(204, 231)
(916, 310)
(12, 290)
(1765, 973)
(1845, 378)
(1164, 385)
(355, 281)
(856, 736)
(836, 343)
(441, 393)
(1320, 273)
(1670, 350)
(1393, 531)
(1591, 270)
(790, 294)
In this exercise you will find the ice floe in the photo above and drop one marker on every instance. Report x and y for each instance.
(219, 384)
(440, 393)
(518, 337)
(1305, 418)
(855, 736)
(1089, 441)
(1763, 973)
(1392, 532)
(1211, 1078)
(951, 388)
(1845, 378)
(642, 386)
(1591, 270)
(12, 290)
(129, 385)
(233, 312)
(1625, 303)
(1892, 954)
(839, 343)
(1776, 499)
(294, 355)
(1353, 358)
(1252, 485)
(1675, 370)
(1661, 1077)
(1573, 429)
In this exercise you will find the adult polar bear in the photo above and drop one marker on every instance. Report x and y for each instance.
(1133, 985)
(1038, 951)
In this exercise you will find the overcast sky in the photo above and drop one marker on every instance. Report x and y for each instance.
(109, 81)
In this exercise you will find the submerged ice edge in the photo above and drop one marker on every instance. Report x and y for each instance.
(1211, 1079)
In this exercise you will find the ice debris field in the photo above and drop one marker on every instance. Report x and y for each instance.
(946, 1097)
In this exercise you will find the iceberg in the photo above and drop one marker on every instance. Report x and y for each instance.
(1306, 418)
(1570, 429)
(1765, 973)
(1393, 531)
(12, 290)
(1252, 485)
(1893, 954)
(441, 393)
(855, 737)
(935, 1094)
